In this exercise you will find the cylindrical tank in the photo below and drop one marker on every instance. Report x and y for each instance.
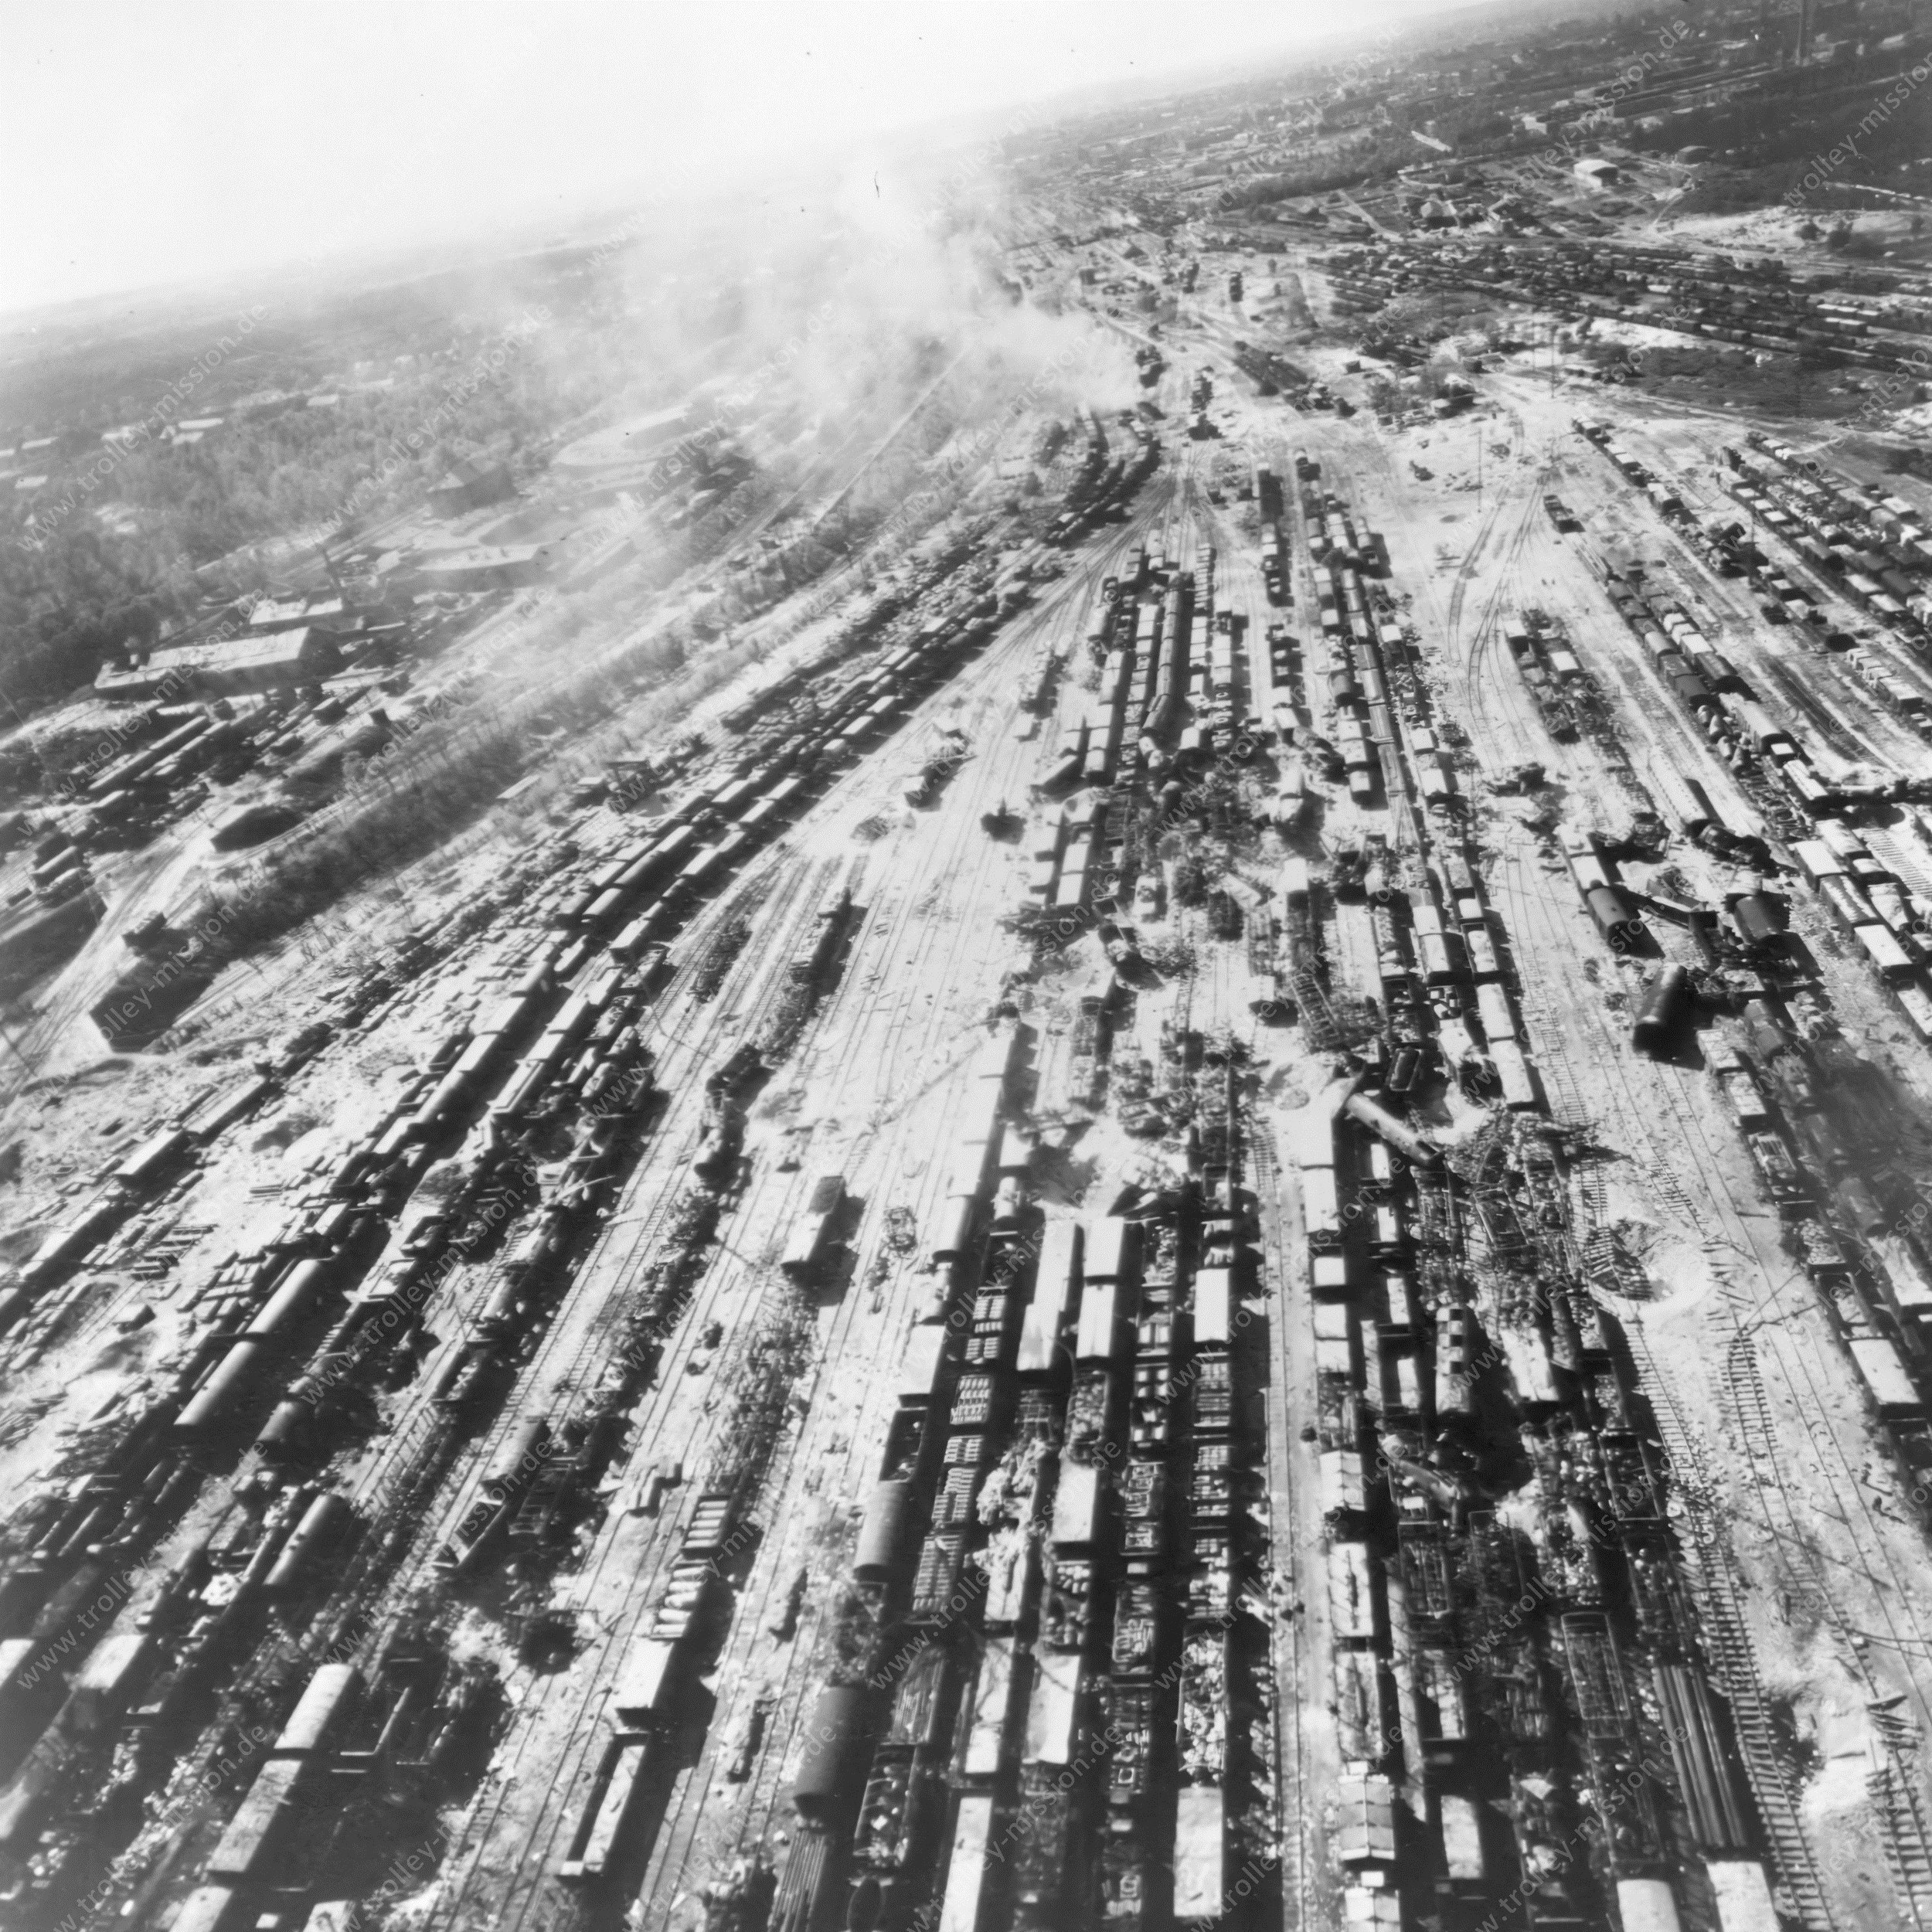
(1757, 917)
(329, 1697)
(211, 1404)
(1662, 1010)
(955, 1235)
(831, 1743)
(883, 1533)
(1616, 916)
(516, 1461)
(285, 1308)
(283, 1435)
(321, 1523)
(498, 1314)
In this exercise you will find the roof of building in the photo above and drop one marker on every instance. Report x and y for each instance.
(111, 677)
(238, 654)
(467, 470)
(483, 556)
(269, 615)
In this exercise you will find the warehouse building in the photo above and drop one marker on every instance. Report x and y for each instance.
(237, 666)
(328, 613)
(488, 567)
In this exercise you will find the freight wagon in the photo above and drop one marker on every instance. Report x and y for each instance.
(596, 1845)
(806, 1249)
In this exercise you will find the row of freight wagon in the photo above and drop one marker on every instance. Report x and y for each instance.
(590, 1044)
(1869, 546)
(1882, 521)
(1572, 282)
(1864, 546)
(1336, 539)
(1162, 658)
(1558, 685)
(1108, 1561)
(139, 1480)
(1455, 1680)
(1071, 854)
(633, 902)
(1738, 723)
(658, 1667)
(591, 1041)
(1888, 921)
(352, 1729)
(1104, 483)
(1357, 691)
(1439, 946)
(1874, 1280)
(1726, 710)
(1011, 1407)
(871, 614)
(242, 1369)
(1374, 1228)
(1428, 954)
(1372, 1360)
(656, 1673)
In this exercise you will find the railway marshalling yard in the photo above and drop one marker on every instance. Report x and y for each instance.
(1220, 1229)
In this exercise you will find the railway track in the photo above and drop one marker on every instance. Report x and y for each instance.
(865, 1366)
(1724, 1625)
(1727, 1643)
(577, 1336)
(668, 1383)
(755, 1811)
(1724, 1617)
(390, 1567)
(1294, 1811)
(687, 1816)
(1901, 1811)
(415, 1483)
(416, 1458)
(1904, 1832)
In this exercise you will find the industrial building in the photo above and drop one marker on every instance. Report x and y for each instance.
(470, 485)
(494, 566)
(235, 667)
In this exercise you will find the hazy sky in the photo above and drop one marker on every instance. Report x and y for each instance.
(145, 143)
